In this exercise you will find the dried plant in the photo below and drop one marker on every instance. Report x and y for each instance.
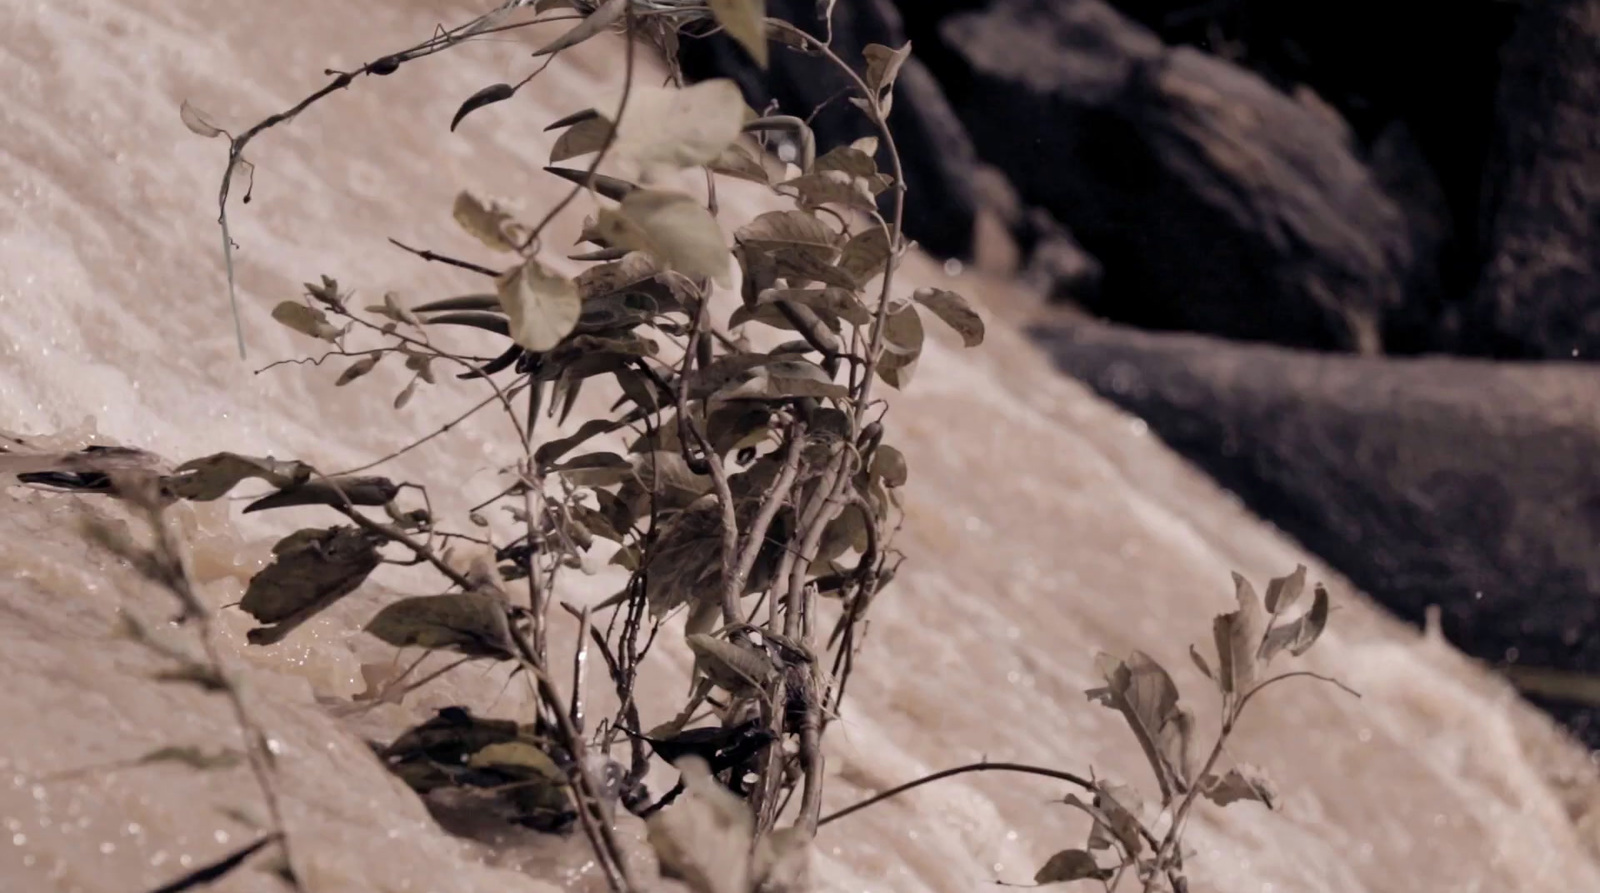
(756, 486)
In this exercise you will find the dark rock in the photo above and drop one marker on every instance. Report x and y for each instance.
(1468, 484)
(1539, 295)
(1215, 202)
(935, 150)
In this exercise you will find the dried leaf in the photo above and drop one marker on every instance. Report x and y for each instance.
(954, 311)
(1301, 634)
(835, 302)
(352, 489)
(704, 839)
(487, 96)
(745, 160)
(543, 306)
(1200, 663)
(487, 222)
(832, 188)
(1283, 592)
(848, 160)
(865, 255)
(305, 320)
(902, 345)
(211, 477)
(785, 380)
(777, 230)
(595, 470)
(883, 66)
(668, 128)
(1145, 695)
(744, 22)
(889, 466)
(1071, 865)
(583, 138)
(357, 369)
(313, 568)
(1243, 782)
(738, 669)
(673, 228)
(552, 450)
(472, 623)
(1238, 635)
(197, 121)
(406, 393)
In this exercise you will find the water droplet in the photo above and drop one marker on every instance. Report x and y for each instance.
(1364, 735)
(952, 267)
(107, 848)
(220, 835)
(1139, 427)
(134, 828)
(19, 839)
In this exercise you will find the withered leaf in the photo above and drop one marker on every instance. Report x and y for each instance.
(673, 228)
(784, 380)
(889, 466)
(902, 345)
(1243, 782)
(358, 368)
(583, 138)
(738, 669)
(1140, 689)
(595, 470)
(744, 20)
(406, 393)
(552, 450)
(1299, 635)
(1071, 865)
(542, 305)
(1283, 592)
(305, 320)
(670, 128)
(850, 160)
(197, 121)
(487, 222)
(354, 489)
(471, 623)
(211, 477)
(801, 266)
(833, 187)
(883, 65)
(487, 96)
(1238, 635)
(314, 568)
(954, 311)
(865, 255)
(776, 230)
(837, 302)
(745, 160)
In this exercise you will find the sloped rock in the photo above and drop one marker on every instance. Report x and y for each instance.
(1463, 483)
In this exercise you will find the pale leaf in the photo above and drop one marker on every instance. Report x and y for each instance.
(673, 228)
(743, 20)
(542, 305)
(954, 311)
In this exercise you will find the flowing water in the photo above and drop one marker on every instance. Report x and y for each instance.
(1043, 525)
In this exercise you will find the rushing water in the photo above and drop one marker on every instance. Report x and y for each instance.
(1043, 525)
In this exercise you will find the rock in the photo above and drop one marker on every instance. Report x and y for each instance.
(935, 150)
(1539, 295)
(1216, 203)
(1464, 483)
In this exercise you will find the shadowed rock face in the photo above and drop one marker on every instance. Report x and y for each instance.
(1470, 485)
(1216, 202)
